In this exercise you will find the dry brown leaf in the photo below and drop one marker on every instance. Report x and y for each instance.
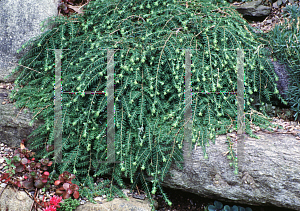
(76, 9)
(22, 145)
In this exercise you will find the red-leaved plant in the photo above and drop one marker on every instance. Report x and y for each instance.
(53, 204)
(36, 176)
(35, 173)
(66, 187)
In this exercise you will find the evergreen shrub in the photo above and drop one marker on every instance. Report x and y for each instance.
(149, 86)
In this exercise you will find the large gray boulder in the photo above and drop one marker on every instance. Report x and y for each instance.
(19, 22)
(268, 175)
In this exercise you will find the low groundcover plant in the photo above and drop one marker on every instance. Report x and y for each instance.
(23, 172)
(53, 204)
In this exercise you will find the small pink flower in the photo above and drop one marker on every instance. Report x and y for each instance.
(55, 200)
(51, 208)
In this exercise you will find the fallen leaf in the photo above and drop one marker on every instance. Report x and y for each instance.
(76, 9)
(22, 145)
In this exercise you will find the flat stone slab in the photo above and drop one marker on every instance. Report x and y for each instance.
(118, 204)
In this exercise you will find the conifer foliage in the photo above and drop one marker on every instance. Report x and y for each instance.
(285, 47)
(149, 85)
